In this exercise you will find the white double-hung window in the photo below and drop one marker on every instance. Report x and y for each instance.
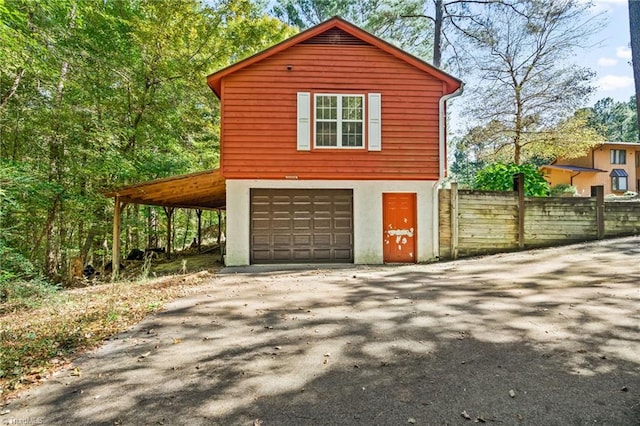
(339, 121)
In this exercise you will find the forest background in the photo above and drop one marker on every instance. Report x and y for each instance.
(100, 94)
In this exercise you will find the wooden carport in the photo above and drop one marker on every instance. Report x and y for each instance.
(201, 191)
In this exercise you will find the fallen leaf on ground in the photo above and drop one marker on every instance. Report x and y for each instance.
(465, 415)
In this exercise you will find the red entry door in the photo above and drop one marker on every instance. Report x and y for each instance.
(399, 227)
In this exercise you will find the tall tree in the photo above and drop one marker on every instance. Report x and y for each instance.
(398, 22)
(449, 15)
(634, 28)
(100, 94)
(525, 89)
(615, 121)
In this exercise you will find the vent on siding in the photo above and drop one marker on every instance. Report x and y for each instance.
(335, 36)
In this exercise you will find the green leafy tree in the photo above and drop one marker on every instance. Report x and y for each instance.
(101, 94)
(568, 138)
(615, 121)
(499, 177)
(466, 161)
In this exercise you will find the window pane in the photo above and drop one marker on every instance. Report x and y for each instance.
(327, 107)
(352, 108)
(618, 156)
(352, 134)
(619, 183)
(326, 133)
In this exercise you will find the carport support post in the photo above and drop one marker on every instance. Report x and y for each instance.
(169, 212)
(115, 255)
(219, 225)
(199, 214)
(454, 220)
(598, 192)
(518, 186)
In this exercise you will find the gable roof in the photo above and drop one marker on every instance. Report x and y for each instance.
(452, 83)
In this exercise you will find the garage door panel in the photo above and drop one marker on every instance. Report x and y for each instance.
(299, 225)
(278, 223)
(261, 255)
(322, 240)
(278, 256)
(302, 254)
(282, 240)
(343, 255)
(322, 223)
(343, 239)
(343, 223)
(302, 240)
(321, 254)
(260, 241)
(260, 224)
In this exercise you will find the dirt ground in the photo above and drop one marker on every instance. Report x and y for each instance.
(546, 337)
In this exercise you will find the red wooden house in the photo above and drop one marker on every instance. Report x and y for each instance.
(332, 147)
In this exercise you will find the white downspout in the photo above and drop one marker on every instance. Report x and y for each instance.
(442, 141)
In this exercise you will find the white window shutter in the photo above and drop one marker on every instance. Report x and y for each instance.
(304, 123)
(375, 122)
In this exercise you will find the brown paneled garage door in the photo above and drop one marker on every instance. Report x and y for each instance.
(301, 225)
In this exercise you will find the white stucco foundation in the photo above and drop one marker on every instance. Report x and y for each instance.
(367, 215)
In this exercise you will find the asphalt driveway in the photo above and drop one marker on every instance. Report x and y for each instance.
(548, 337)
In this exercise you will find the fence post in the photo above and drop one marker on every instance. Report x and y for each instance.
(454, 220)
(598, 192)
(518, 186)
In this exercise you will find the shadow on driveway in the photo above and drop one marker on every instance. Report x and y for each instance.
(543, 337)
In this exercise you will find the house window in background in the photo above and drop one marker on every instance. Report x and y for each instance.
(618, 156)
(619, 180)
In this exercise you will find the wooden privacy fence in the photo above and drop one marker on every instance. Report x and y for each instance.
(482, 222)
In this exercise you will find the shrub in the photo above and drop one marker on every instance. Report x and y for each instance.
(563, 190)
(499, 177)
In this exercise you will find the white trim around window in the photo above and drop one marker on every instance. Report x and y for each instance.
(339, 121)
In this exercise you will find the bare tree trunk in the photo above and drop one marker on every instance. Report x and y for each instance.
(89, 242)
(634, 27)
(437, 36)
(56, 172)
(186, 229)
(12, 91)
(152, 228)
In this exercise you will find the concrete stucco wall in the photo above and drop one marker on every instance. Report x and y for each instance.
(367, 215)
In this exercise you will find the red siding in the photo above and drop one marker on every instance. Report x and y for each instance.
(259, 115)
